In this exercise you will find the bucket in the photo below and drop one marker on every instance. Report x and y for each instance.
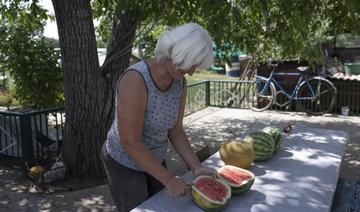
(345, 110)
(233, 70)
(352, 68)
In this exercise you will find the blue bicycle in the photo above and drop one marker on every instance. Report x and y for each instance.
(315, 94)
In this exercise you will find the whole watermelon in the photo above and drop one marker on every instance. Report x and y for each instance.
(210, 193)
(263, 145)
(236, 153)
(276, 135)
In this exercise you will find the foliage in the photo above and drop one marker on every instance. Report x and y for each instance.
(347, 40)
(268, 30)
(7, 98)
(30, 58)
(100, 43)
(202, 75)
(54, 42)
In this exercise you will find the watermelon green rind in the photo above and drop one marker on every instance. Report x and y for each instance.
(206, 203)
(278, 145)
(246, 187)
(203, 203)
(276, 135)
(263, 145)
(238, 188)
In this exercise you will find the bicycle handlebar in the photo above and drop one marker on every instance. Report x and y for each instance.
(274, 65)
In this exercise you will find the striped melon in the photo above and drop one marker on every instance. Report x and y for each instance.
(240, 154)
(276, 135)
(210, 193)
(240, 180)
(263, 145)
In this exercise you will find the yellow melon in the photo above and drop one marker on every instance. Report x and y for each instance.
(37, 169)
(236, 153)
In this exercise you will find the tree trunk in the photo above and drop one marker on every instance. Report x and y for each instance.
(89, 99)
(86, 107)
(118, 52)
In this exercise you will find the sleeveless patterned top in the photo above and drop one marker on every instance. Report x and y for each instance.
(160, 115)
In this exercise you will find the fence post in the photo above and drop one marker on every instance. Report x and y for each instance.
(26, 137)
(207, 91)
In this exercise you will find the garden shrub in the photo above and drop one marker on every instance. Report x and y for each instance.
(33, 63)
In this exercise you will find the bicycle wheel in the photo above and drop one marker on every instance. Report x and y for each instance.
(316, 96)
(259, 95)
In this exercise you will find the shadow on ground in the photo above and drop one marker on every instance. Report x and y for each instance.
(210, 127)
(226, 124)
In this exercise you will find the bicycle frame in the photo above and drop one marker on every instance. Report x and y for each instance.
(292, 95)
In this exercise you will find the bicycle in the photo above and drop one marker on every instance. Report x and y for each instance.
(316, 94)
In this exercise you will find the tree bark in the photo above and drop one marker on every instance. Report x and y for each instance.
(84, 86)
(119, 49)
(89, 90)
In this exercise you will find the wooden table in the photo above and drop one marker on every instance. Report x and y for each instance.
(302, 176)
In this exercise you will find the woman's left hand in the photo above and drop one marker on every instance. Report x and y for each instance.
(204, 171)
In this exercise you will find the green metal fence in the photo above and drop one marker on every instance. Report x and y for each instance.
(197, 97)
(37, 136)
(223, 93)
(31, 135)
(215, 93)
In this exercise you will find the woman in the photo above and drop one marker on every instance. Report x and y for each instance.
(150, 103)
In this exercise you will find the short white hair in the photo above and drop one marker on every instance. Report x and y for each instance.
(186, 45)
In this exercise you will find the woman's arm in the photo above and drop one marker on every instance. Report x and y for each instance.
(132, 100)
(179, 139)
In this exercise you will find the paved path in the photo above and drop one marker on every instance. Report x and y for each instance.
(211, 127)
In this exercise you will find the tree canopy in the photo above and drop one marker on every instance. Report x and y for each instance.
(273, 29)
(267, 29)
(29, 56)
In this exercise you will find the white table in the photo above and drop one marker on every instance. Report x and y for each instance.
(302, 176)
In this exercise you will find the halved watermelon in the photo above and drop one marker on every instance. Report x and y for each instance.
(240, 180)
(210, 193)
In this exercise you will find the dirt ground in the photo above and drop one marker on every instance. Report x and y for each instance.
(209, 127)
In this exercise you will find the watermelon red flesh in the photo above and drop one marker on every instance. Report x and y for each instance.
(234, 177)
(212, 189)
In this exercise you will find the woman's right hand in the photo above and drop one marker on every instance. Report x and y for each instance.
(177, 188)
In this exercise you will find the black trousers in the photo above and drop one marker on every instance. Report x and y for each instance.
(128, 187)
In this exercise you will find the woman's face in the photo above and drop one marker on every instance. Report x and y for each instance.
(179, 73)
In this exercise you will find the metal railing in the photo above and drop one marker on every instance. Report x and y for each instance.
(197, 97)
(225, 93)
(215, 93)
(348, 94)
(31, 135)
(37, 135)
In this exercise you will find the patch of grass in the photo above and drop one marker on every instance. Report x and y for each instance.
(6, 98)
(207, 75)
